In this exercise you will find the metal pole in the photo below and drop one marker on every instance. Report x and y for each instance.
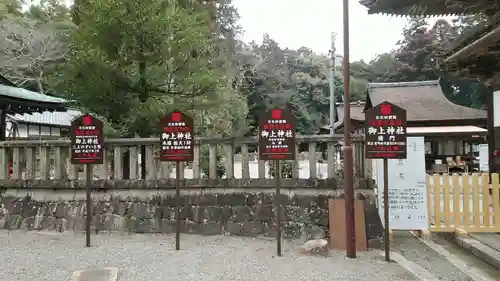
(177, 205)
(348, 161)
(490, 109)
(332, 85)
(278, 208)
(88, 221)
(386, 211)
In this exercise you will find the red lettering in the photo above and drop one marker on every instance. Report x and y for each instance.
(277, 156)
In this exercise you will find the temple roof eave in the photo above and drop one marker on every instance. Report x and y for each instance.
(425, 8)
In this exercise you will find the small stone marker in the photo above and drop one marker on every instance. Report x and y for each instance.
(98, 274)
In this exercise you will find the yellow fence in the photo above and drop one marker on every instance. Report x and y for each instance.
(469, 203)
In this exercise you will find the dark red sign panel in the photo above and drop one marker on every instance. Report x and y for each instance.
(385, 132)
(277, 135)
(177, 137)
(87, 140)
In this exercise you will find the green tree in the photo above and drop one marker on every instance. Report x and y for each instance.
(133, 61)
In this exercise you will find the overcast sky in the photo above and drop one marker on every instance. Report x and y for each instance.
(296, 23)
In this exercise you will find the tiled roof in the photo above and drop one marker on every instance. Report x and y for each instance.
(426, 7)
(20, 101)
(20, 93)
(47, 118)
(423, 101)
(356, 114)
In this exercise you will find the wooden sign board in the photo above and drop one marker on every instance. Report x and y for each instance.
(177, 137)
(87, 140)
(277, 135)
(385, 132)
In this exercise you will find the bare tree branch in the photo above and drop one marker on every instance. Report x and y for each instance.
(28, 47)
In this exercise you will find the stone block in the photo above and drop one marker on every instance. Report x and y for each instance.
(313, 232)
(206, 200)
(231, 199)
(167, 226)
(170, 226)
(212, 214)
(14, 207)
(186, 213)
(209, 228)
(143, 225)
(28, 223)
(285, 200)
(303, 201)
(264, 213)
(269, 229)
(242, 213)
(252, 228)
(252, 199)
(234, 228)
(142, 211)
(168, 201)
(226, 213)
(322, 201)
(266, 198)
(291, 230)
(29, 209)
(13, 221)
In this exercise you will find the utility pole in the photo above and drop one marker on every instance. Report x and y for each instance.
(332, 84)
(350, 233)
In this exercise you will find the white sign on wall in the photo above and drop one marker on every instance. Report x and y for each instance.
(407, 188)
(483, 158)
(496, 109)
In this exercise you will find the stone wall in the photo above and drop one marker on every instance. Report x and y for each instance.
(216, 210)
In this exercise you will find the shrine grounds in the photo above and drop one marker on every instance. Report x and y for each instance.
(44, 256)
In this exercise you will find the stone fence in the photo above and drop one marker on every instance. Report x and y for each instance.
(49, 159)
(44, 191)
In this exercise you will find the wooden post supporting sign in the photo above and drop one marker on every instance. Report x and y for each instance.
(385, 138)
(87, 148)
(276, 143)
(177, 145)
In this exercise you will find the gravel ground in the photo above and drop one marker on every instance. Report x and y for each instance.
(30, 256)
(414, 250)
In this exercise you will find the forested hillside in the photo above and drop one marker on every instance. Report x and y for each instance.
(131, 61)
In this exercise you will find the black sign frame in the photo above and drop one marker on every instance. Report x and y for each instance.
(282, 123)
(177, 123)
(87, 125)
(385, 132)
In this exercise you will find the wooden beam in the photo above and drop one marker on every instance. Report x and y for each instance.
(491, 37)
(3, 124)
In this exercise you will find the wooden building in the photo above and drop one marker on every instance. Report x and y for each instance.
(475, 55)
(450, 130)
(357, 109)
(16, 102)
